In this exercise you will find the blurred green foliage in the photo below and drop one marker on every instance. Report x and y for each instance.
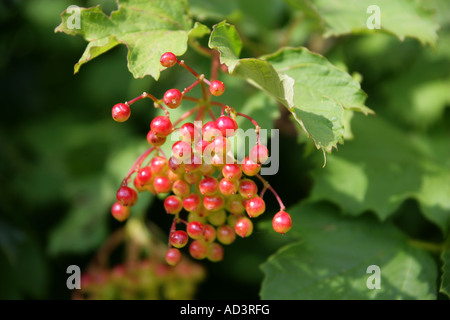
(62, 157)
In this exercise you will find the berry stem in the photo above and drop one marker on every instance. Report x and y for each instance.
(142, 96)
(200, 114)
(211, 114)
(186, 90)
(184, 65)
(268, 186)
(137, 164)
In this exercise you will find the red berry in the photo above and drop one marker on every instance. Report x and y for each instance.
(282, 222)
(187, 132)
(172, 98)
(192, 202)
(226, 234)
(162, 184)
(255, 207)
(144, 175)
(259, 154)
(175, 165)
(182, 151)
(201, 145)
(138, 185)
(173, 204)
(195, 230)
(227, 126)
(232, 171)
(194, 164)
(178, 238)
(217, 88)
(243, 227)
(120, 212)
(155, 140)
(210, 131)
(213, 203)
(168, 59)
(159, 165)
(121, 112)
(247, 188)
(209, 234)
(208, 186)
(126, 196)
(181, 188)
(161, 126)
(220, 145)
(173, 256)
(198, 249)
(228, 187)
(249, 167)
(215, 252)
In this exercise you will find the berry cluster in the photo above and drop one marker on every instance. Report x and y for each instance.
(146, 279)
(201, 177)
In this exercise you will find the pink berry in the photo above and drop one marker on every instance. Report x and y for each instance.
(217, 88)
(172, 98)
(228, 187)
(173, 256)
(247, 188)
(282, 222)
(226, 234)
(208, 186)
(178, 238)
(195, 229)
(198, 249)
(155, 140)
(227, 126)
(161, 126)
(126, 196)
(215, 252)
(232, 171)
(168, 59)
(243, 227)
(249, 167)
(173, 204)
(162, 184)
(255, 207)
(120, 212)
(259, 154)
(192, 202)
(121, 112)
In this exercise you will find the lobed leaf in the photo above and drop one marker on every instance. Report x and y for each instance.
(147, 28)
(333, 258)
(384, 166)
(315, 91)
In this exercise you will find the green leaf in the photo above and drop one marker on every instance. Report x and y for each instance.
(403, 18)
(226, 40)
(314, 90)
(384, 166)
(147, 28)
(332, 259)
